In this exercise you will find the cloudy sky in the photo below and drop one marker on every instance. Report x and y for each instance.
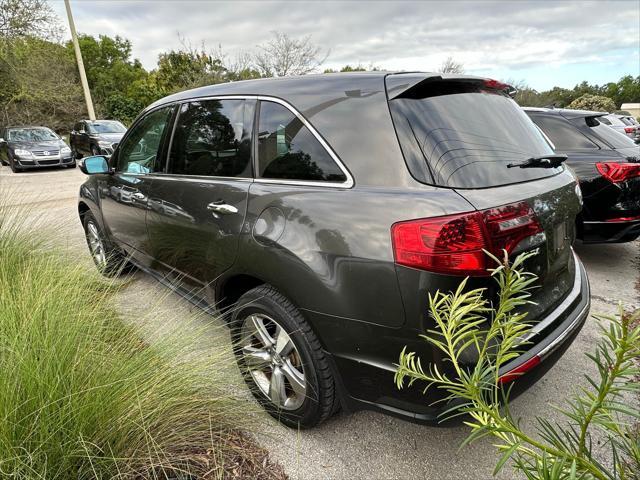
(545, 43)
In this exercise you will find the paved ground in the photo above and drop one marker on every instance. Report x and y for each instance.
(363, 445)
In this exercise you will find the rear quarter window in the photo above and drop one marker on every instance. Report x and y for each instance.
(466, 136)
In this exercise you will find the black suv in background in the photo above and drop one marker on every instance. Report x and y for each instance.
(97, 137)
(316, 213)
(607, 164)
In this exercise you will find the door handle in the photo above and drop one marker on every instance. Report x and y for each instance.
(222, 208)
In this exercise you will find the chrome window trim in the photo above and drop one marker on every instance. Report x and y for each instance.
(165, 171)
(348, 183)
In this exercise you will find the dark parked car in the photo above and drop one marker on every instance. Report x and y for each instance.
(33, 147)
(608, 166)
(95, 137)
(316, 214)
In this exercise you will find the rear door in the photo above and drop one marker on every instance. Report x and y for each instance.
(468, 136)
(198, 203)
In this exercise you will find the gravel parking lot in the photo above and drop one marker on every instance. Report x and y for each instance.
(363, 445)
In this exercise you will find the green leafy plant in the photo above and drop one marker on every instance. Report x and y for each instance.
(554, 451)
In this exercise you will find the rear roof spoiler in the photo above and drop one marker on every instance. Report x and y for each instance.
(399, 84)
(571, 114)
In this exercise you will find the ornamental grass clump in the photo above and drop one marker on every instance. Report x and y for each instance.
(83, 396)
(607, 409)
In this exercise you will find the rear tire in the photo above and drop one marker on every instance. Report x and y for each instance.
(94, 150)
(282, 360)
(108, 259)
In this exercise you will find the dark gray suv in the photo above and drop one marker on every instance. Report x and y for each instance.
(316, 213)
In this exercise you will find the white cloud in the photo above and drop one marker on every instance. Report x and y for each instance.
(505, 36)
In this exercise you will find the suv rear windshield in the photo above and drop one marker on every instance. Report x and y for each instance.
(460, 134)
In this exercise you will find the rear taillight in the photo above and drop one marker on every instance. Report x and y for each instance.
(454, 244)
(618, 172)
(629, 129)
(520, 370)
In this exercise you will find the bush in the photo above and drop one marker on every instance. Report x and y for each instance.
(84, 396)
(596, 103)
(554, 451)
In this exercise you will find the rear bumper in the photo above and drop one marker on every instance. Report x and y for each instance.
(610, 232)
(550, 338)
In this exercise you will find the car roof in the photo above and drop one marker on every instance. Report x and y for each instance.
(567, 113)
(294, 89)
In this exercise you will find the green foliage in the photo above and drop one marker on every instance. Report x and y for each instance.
(356, 68)
(554, 451)
(593, 102)
(85, 397)
(180, 70)
(626, 90)
(39, 84)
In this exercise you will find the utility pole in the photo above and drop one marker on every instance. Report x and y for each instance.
(83, 75)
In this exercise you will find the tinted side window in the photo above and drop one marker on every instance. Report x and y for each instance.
(288, 150)
(213, 138)
(563, 135)
(138, 152)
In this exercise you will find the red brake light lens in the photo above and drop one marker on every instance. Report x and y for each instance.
(618, 172)
(520, 370)
(629, 129)
(495, 84)
(454, 244)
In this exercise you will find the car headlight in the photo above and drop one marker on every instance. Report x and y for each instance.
(22, 153)
(104, 144)
(65, 150)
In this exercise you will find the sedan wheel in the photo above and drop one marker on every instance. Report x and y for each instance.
(273, 361)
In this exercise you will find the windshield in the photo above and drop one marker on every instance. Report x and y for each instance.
(106, 127)
(612, 137)
(468, 135)
(30, 135)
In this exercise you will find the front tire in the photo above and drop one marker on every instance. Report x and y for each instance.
(108, 259)
(14, 167)
(282, 360)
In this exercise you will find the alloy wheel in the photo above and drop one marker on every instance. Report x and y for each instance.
(273, 361)
(95, 245)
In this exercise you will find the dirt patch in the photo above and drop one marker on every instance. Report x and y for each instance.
(241, 458)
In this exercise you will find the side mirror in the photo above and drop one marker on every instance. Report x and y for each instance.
(94, 165)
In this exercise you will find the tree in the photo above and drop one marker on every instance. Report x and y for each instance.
(451, 66)
(593, 102)
(39, 85)
(111, 72)
(23, 18)
(357, 68)
(282, 56)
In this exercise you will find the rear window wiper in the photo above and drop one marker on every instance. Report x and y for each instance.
(543, 161)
